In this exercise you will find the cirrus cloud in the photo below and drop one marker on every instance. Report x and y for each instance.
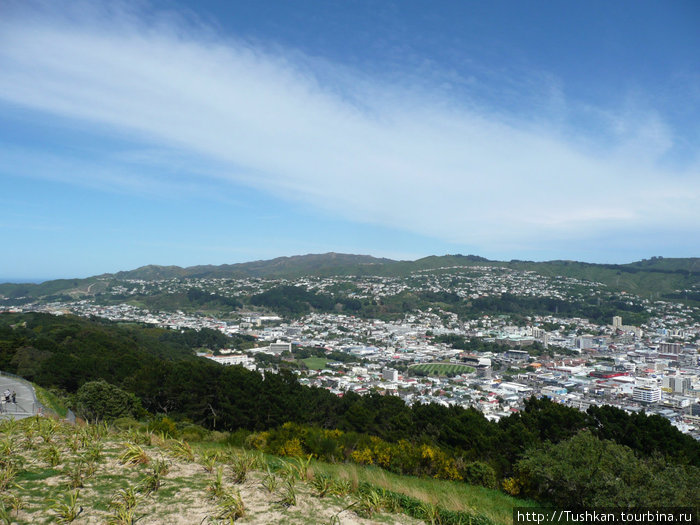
(319, 133)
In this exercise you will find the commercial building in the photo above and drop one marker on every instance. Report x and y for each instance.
(646, 394)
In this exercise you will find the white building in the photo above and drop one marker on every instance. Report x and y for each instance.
(646, 394)
(243, 360)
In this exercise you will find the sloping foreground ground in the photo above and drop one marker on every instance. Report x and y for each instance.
(52, 472)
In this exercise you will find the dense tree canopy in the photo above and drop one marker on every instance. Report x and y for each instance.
(585, 471)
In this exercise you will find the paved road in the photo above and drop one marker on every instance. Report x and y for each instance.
(25, 406)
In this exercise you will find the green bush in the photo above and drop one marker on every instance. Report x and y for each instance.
(101, 401)
(478, 473)
(403, 457)
(238, 438)
(219, 437)
(163, 425)
(194, 433)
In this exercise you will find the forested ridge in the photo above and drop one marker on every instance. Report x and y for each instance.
(158, 366)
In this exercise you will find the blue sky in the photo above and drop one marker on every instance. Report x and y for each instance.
(136, 132)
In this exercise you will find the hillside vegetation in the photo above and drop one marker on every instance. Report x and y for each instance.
(152, 374)
(653, 278)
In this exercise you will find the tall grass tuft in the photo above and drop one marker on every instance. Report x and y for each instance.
(152, 481)
(231, 507)
(216, 488)
(125, 498)
(208, 460)
(67, 510)
(134, 455)
(51, 454)
(8, 473)
(430, 513)
(241, 464)
(289, 493)
(322, 485)
(5, 516)
(180, 450)
(76, 475)
(123, 505)
(11, 503)
(123, 516)
(269, 481)
(367, 503)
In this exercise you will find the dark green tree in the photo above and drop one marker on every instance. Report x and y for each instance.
(585, 471)
(100, 401)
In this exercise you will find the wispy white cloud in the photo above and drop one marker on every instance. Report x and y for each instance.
(319, 133)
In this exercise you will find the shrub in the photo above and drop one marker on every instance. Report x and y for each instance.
(478, 473)
(363, 457)
(163, 425)
(194, 433)
(239, 438)
(219, 437)
(257, 441)
(99, 400)
(291, 447)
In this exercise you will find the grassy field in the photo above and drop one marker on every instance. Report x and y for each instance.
(315, 363)
(441, 369)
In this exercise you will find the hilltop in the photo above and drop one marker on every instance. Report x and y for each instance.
(280, 267)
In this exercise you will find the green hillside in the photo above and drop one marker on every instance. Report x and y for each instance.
(651, 279)
(281, 267)
(58, 289)
(656, 278)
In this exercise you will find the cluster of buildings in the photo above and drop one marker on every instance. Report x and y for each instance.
(652, 367)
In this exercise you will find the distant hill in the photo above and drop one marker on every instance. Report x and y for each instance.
(55, 289)
(650, 278)
(281, 267)
(655, 278)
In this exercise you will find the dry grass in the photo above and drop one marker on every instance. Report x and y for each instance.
(122, 487)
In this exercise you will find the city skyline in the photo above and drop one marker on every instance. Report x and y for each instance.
(139, 133)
